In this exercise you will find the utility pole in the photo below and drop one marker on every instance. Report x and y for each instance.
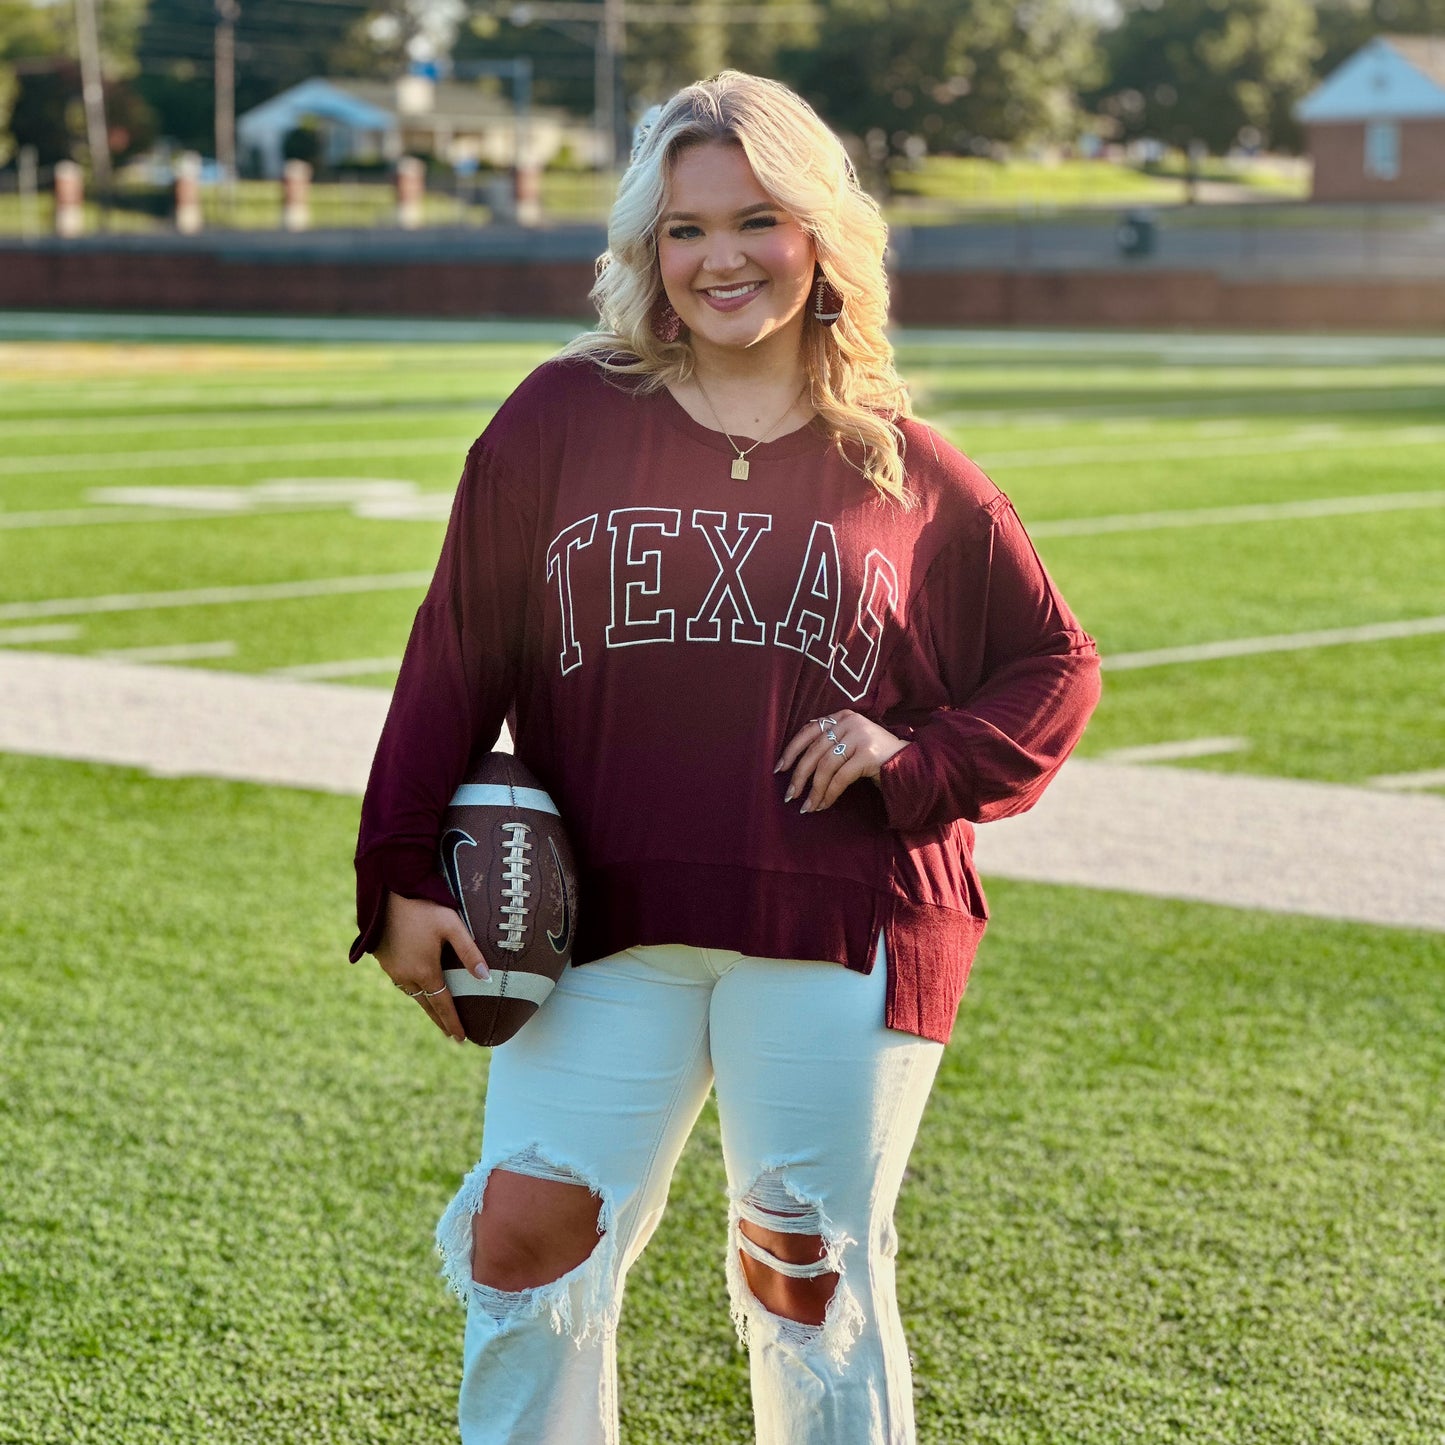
(93, 94)
(611, 19)
(227, 13)
(519, 72)
(611, 45)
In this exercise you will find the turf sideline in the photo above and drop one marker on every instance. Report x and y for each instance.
(1187, 347)
(1281, 845)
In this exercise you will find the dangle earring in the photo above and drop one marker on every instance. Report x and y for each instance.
(827, 299)
(666, 323)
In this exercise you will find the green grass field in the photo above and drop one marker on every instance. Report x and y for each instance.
(1347, 455)
(940, 188)
(1180, 1179)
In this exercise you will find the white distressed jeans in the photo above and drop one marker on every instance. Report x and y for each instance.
(819, 1104)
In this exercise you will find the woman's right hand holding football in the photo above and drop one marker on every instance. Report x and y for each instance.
(410, 952)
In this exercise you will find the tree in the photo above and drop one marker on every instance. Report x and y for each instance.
(1187, 71)
(279, 43)
(31, 39)
(40, 83)
(1346, 25)
(562, 57)
(661, 55)
(960, 74)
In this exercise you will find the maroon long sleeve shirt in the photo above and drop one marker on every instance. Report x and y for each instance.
(654, 632)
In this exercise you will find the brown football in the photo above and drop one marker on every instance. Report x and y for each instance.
(507, 861)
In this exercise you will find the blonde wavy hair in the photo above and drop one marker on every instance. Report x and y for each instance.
(855, 388)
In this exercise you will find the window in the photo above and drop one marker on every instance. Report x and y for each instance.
(1382, 149)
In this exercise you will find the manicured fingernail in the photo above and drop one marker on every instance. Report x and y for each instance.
(482, 971)
(788, 796)
(806, 808)
(778, 766)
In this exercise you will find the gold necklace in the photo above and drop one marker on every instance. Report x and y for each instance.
(740, 462)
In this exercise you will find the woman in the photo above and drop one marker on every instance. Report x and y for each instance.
(772, 645)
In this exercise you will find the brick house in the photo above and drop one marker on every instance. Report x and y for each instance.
(1375, 126)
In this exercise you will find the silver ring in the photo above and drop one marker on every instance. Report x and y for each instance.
(432, 993)
(840, 750)
(417, 994)
(831, 736)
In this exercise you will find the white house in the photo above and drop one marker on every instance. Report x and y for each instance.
(370, 120)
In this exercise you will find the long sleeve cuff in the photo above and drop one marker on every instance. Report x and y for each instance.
(404, 869)
(913, 790)
(994, 758)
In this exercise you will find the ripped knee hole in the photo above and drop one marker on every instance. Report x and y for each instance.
(530, 1231)
(789, 1274)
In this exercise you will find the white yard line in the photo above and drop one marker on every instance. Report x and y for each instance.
(251, 396)
(424, 507)
(433, 506)
(1302, 439)
(1204, 451)
(1176, 751)
(391, 498)
(1137, 411)
(345, 667)
(106, 462)
(1409, 782)
(344, 413)
(100, 516)
(206, 596)
(1283, 642)
(1234, 516)
(170, 652)
(45, 632)
(1310, 848)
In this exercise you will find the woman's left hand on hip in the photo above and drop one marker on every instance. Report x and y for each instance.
(830, 753)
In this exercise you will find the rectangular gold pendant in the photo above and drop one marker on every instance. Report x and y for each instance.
(740, 469)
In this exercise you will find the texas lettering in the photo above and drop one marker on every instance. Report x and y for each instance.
(844, 641)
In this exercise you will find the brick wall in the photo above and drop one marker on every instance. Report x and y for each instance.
(1338, 152)
(132, 279)
(199, 280)
(1163, 298)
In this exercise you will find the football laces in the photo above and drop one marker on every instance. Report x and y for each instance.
(515, 877)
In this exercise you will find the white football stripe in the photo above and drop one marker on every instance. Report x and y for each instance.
(534, 987)
(494, 795)
(1281, 642)
(1172, 751)
(1229, 516)
(206, 596)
